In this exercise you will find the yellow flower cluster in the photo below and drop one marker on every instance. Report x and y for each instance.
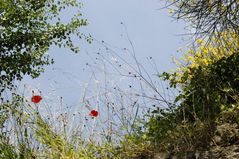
(219, 46)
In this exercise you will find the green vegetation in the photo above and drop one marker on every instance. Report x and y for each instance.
(208, 98)
(203, 115)
(28, 28)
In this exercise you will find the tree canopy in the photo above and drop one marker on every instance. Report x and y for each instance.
(208, 16)
(27, 30)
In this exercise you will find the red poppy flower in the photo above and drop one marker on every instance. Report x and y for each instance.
(36, 99)
(94, 113)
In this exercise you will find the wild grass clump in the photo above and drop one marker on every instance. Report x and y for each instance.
(121, 95)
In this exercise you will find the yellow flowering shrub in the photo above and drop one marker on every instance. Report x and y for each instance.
(204, 73)
(205, 54)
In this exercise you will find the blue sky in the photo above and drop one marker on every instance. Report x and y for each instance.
(152, 31)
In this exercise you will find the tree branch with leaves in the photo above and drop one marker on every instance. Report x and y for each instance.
(27, 30)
